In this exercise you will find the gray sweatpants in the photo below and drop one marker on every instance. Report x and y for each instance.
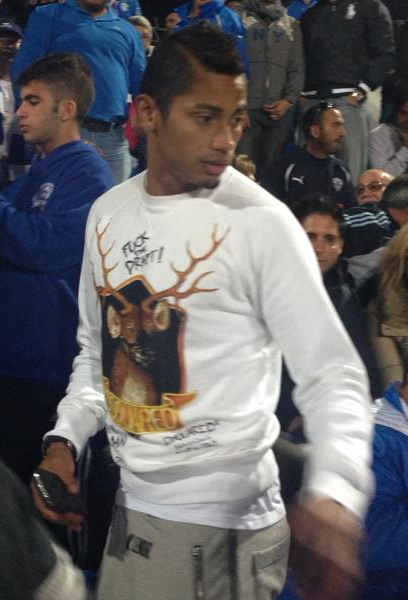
(147, 558)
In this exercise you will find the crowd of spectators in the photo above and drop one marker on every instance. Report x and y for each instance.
(317, 71)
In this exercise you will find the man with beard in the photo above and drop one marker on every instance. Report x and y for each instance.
(389, 142)
(91, 28)
(349, 51)
(313, 168)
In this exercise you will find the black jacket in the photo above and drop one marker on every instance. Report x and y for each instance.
(299, 173)
(347, 42)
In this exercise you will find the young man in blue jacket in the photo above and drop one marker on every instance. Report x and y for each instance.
(115, 52)
(42, 227)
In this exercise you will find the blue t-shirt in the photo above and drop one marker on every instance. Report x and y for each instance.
(112, 46)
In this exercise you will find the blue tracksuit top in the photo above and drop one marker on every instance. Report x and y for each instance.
(387, 519)
(42, 228)
(112, 46)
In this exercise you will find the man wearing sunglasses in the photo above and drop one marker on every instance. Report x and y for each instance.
(368, 226)
(371, 185)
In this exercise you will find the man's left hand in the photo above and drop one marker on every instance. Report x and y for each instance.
(325, 550)
(277, 109)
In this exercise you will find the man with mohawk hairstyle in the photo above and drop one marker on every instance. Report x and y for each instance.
(187, 301)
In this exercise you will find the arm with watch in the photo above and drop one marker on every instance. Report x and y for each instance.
(80, 414)
(357, 97)
(54, 485)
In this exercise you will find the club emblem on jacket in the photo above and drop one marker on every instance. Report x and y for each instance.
(41, 198)
(351, 12)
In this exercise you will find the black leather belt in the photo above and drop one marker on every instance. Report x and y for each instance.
(96, 125)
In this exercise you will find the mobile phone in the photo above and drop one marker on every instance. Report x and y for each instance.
(55, 495)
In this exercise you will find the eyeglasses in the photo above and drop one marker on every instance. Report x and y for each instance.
(373, 186)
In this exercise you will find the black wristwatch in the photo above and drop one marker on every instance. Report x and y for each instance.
(51, 439)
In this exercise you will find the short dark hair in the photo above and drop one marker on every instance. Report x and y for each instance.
(314, 116)
(396, 193)
(320, 204)
(171, 69)
(68, 75)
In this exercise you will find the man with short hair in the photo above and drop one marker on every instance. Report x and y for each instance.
(368, 225)
(42, 226)
(115, 53)
(325, 228)
(395, 201)
(349, 51)
(389, 142)
(313, 168)
(186, 302)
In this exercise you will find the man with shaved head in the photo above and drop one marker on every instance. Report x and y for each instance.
(368, 226)
(371, 185)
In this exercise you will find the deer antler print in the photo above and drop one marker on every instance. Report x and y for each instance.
(108, 288)
(174, 290)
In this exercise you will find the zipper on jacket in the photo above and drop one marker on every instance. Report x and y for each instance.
(199, 593)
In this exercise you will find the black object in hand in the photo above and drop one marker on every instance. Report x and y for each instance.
(53, 492)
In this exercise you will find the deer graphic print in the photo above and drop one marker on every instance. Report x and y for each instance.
(142, 331)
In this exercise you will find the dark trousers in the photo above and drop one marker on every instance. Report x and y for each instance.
(27, 412)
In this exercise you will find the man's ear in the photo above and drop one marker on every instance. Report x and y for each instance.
(147, 112)
(314, 131)
(67, 110)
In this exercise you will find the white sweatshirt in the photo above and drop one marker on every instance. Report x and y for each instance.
(192, 375)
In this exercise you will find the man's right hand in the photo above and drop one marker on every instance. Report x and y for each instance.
(59, 460)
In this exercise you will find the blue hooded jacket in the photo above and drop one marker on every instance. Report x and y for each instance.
(42, 229)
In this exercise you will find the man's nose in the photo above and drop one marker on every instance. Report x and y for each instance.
(319, 246)
(20, 111)
(224, 139)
